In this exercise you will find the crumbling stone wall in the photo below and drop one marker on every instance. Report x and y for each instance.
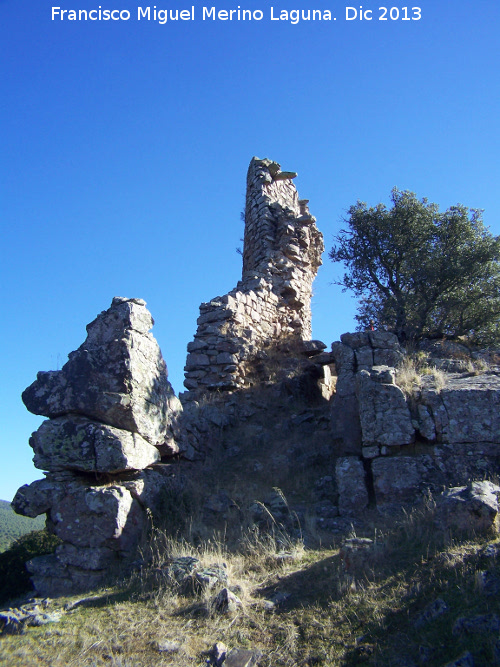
(272, 302)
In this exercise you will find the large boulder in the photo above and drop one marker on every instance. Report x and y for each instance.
(99, 516)
(353, 493)
(117, 376)
(396, 481)
(77, 443)
(383, 412)
(469, 509)
(466, 409)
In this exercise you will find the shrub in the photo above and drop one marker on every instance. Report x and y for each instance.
(14, 577)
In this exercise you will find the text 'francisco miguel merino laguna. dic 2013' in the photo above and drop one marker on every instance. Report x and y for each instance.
(162, 16)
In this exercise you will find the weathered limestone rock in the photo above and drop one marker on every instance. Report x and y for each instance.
(356, 340)
(383, 340)
(466, 409)
(87, 558)
(426, 425)
(384, 414)
(365, 351)
(353, 494)
(51, 577)
(96, 516)
(469, 509)
(39, 496)
(101, 527)
(271, 304)
(117, 376)
(113, 412)
(396, 481)
(76, 443)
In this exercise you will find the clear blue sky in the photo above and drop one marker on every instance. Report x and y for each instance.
(125, 145)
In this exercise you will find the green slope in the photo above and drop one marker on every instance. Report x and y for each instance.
(13, 525)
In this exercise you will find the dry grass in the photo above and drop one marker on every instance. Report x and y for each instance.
(439, 380)
(325, 615)
(478, 366)
(408, 375)
(413, 368)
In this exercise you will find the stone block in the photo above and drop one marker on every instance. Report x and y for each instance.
(90, 558)
(383, 340)
(387, 357)
(383, 412)
(426, 423)
(364, 357)
(343, 356)
(196, 359)
(197, 345)
(77, 443)
(396, 480)
(353, 494)
(227, 358)
(99, 517)
(466, 409)
(356, 340)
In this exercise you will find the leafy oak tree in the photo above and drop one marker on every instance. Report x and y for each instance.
(421, 272)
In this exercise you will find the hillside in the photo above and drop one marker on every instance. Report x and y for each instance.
(407, 596)
(13, 525)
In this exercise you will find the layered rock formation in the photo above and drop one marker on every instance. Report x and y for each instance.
(112, 414)
(408, 444)
(271, 304)
(116, 377)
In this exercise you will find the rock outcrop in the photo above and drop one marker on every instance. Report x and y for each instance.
(117, 377)
(436, 435)
(112, 415)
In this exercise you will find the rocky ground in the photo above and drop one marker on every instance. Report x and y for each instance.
(399, 594)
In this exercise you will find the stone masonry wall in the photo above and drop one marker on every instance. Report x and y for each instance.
(395, 448)
(271, 303)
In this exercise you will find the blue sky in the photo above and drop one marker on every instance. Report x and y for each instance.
(125, 146)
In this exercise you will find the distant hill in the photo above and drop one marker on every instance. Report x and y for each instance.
(13, 525)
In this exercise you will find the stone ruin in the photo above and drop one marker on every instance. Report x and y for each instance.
(272, 302)
(117, 439)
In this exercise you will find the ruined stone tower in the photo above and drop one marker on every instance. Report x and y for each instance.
(272, 302)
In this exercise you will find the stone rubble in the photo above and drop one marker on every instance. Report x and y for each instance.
(33, 613)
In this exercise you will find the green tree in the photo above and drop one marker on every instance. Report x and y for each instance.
(421, 272)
